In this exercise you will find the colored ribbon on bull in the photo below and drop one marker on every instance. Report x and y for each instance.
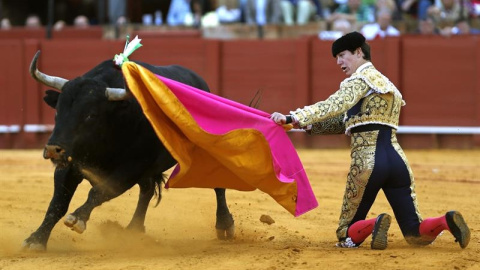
(220, 143)
(130, 47)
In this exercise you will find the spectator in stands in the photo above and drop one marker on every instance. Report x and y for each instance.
(343, 26)
(382, 27)
(447, 12)
(117, 11)
(355, 12)
(228, 11)
(262, 12)
(242, 4)
(427, 26)
(198, 12)
(462, 27)
(81, 21)
(371, 4)
(33, 21)
(340, 27)
(319, 11)
(386, 4)
(326, 8)
(417, 8)
(59, 25)
(179, 13)
(396, 9)
(5, 24)
(299, 10)
(475, 8)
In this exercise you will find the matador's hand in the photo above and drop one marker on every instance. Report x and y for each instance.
(278, 118)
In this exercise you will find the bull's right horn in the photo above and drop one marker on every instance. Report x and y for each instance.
(55, 82)
(117, 93)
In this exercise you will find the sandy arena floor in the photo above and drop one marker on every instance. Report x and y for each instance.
(180, 231)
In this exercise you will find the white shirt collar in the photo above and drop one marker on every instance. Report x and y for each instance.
(364, 66)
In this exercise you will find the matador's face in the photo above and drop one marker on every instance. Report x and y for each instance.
(349, 62)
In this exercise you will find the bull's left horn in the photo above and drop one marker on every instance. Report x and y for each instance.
(117, 93)
(52, 81)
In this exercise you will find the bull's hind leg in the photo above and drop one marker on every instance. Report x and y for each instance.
(225, 225)
(77, 220)
(147, 190)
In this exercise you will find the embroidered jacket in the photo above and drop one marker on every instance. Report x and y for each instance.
(366, 97)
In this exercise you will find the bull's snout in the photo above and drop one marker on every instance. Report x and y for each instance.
(53, 152)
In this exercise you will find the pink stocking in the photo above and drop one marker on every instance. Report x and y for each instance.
(360, 230)
(432, 227)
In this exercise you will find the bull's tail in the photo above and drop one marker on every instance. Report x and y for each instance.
(158, 188)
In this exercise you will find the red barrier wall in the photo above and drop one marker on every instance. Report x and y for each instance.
(11, 93)
(440, 80)
(92, 32)
(158, 34)
(437, 76)
(440, 85)
(23, 33)
(32, 99)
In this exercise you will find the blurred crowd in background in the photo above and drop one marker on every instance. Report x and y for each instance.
(374, 18)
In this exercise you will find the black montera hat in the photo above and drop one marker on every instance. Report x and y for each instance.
(350, 41)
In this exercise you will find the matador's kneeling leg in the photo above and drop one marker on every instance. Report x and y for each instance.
(452, 221)
(360, 230)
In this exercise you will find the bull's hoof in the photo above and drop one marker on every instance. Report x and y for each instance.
(75, 224)
(29, 246)
(136, 228)
(227, 234)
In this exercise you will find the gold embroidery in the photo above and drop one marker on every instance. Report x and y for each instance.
(329, 126)
(377, 109)
(338, 103)
(376, 80)
(362, 163)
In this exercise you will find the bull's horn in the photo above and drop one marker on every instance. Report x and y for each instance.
(55, 82)
(117, 93)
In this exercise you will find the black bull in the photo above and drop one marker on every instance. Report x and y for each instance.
(109, 143)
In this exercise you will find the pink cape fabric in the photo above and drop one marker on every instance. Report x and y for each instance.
(221, 143)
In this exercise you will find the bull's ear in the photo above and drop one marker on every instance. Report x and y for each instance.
(51, 98)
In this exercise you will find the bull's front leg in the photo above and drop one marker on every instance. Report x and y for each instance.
(225, 225)
(66, 181)
(97, 195)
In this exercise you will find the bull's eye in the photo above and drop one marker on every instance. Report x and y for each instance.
(90, 117)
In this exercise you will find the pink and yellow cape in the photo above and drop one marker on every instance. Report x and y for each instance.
(221, 143)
